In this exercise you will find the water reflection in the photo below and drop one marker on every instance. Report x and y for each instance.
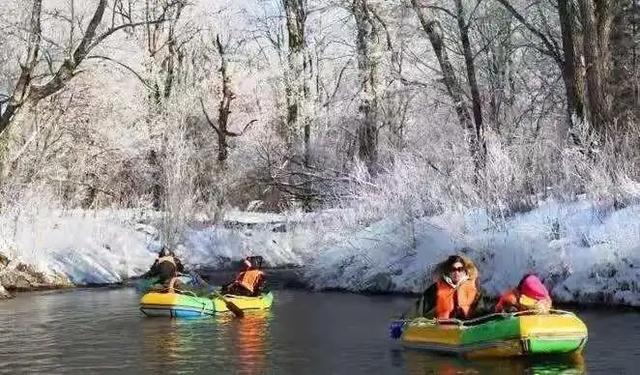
(222, 341)
(87, 332)
(249, 339)
(421, 363)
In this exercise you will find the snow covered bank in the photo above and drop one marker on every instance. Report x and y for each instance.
(109, 246)
(586, 252)
(85, 246)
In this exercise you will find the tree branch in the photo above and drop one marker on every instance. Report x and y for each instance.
(233, 134)
(108, 33)
(138, 76)
(553, 52)
(206, 115)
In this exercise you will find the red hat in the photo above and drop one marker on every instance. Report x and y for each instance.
(532, 287)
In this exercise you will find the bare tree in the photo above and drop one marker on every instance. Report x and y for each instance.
(596, 26)
(479, 148)
(298, 77)
(434, 31)
(564, 57)
(595, 18)
(27, 89)
(367, 49)
(224, 109)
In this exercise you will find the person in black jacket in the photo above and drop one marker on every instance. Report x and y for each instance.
(166, 267)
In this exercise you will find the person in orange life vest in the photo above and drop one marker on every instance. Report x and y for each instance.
(454, 293)
(248, 282)
(530, 294)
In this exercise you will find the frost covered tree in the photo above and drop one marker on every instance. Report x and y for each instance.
(368, 37)
(298, 80)
(43, 74)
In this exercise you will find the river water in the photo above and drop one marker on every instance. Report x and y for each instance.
(102, 331)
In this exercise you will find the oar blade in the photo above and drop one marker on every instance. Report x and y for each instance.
(230, 305)
(234, 309)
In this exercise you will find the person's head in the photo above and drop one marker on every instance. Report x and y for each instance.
(531, 286)
(253, 262)
(247, 263)
(164, 251)
(455, 268)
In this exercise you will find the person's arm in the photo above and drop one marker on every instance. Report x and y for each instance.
(262, 283)
(481, 305)
(153, 271)
(429, 300)
(507, 302)
(179, 265)
(423, 305)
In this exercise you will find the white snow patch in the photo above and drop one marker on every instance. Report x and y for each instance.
(87, 248)
(585, 251)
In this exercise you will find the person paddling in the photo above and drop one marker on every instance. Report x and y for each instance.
(250, 281)
(454, 293)
(530, 294)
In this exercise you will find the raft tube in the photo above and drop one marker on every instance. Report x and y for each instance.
(179, 305)
(499, 335)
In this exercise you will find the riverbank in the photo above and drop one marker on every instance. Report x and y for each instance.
(586, 252)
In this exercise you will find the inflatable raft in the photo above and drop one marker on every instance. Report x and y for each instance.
(184, 305)
(498, 335)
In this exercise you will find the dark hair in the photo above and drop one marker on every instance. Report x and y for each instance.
(256, 261)
(453, 259)
(164, 251)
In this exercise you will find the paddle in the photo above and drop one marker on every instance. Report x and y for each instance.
(230, 305)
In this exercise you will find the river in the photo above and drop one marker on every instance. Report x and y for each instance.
(102, 331)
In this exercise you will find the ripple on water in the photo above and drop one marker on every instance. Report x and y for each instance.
(102, 331)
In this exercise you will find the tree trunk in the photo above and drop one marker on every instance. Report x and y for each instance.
(434, 32)
(623, 78)
(478, 144)
(566, 59)
(298, 90)
(569, 73)
(366, 40)
(598, 111)
(224, 108)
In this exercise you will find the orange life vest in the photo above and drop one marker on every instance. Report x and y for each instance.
(449, 299)
(511, 298)
(507, 299)
(250, 279)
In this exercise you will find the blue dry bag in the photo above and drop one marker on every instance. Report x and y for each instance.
(395, 329)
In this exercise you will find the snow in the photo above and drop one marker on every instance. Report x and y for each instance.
(214, 246)
(109, 246)
(586, 251)
(86, 248)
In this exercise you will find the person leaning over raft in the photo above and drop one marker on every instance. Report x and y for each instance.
(530, 294)
(166, 268)
(454, 294)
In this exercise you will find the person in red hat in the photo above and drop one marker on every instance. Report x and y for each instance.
(530, 294)
(250, 281)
